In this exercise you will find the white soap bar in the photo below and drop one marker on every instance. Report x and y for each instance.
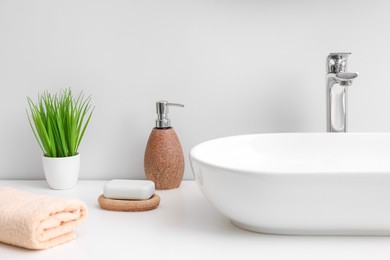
(129, 189)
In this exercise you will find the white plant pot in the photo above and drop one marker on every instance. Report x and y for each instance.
(61, 172)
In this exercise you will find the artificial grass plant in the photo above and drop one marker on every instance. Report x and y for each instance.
(59, 122)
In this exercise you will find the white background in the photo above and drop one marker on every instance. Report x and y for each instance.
(239, 67)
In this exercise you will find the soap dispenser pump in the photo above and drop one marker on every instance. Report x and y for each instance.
(164, 160)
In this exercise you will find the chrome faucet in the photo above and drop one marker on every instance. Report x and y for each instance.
(337, 82)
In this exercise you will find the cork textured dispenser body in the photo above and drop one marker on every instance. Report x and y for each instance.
(164, 159)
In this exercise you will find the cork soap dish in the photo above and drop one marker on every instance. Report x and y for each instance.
(129, 205)
(129, 195)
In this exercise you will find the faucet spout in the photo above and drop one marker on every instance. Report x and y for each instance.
(337, 83)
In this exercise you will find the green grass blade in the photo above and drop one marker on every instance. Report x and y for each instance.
(35, 134)
(85, 127)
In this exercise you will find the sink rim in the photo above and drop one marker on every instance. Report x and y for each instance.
(196, 153)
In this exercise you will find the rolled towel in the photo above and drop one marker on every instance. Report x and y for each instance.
(37, 221)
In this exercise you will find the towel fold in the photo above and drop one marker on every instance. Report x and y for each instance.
(37, 221)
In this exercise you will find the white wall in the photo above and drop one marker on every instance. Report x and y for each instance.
(238, 66)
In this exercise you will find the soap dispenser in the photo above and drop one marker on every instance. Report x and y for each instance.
(164, 160)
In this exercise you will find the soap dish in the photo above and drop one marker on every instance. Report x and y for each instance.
(129, 205)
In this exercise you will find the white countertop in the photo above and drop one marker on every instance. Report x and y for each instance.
(185, 226)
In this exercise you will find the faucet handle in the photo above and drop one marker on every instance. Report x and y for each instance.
(337, 62)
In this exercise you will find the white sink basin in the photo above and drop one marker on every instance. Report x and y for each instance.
(306, 183)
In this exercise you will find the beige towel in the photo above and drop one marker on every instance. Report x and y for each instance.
(37, 221)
